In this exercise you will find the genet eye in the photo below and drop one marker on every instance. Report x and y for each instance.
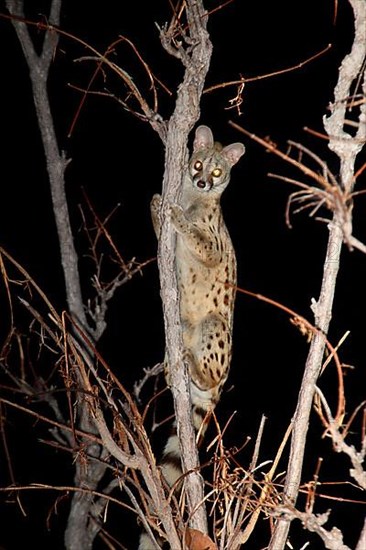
(198, 165)
(216, 173)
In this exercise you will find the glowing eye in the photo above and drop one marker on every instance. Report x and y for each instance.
(198, 165)
(216, 173)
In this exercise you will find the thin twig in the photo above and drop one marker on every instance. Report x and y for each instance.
(347, 149)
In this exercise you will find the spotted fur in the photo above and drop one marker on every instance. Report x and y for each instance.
(206, 273)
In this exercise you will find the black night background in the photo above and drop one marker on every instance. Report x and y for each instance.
(118, 159)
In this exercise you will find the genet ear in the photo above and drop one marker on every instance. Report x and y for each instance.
(203, 138)
(233, 152)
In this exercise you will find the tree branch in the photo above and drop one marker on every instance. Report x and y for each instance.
(80, 533)
(39, 66)
(356, 458)
(333, 539)
(347, 149)
(185, 115)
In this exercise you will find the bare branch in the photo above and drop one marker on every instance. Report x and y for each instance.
(346, 148)
(357, 458)
(56, 161)
(186, 113)
(79, 532)
(333, 539)
(244, 80)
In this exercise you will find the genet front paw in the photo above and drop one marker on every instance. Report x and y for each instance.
(177, 216)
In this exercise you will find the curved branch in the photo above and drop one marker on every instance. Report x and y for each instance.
(56, 161)
(347, 148)
(186, 113)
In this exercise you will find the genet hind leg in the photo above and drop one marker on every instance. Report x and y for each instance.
(208, 351)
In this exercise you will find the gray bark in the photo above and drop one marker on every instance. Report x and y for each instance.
(80, 531)
(185, 115)
(346, 147)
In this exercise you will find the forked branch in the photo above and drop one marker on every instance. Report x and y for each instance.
(347, 148)
(196, 59)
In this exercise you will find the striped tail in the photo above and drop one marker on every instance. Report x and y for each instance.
(171, 459)
(170, 464)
